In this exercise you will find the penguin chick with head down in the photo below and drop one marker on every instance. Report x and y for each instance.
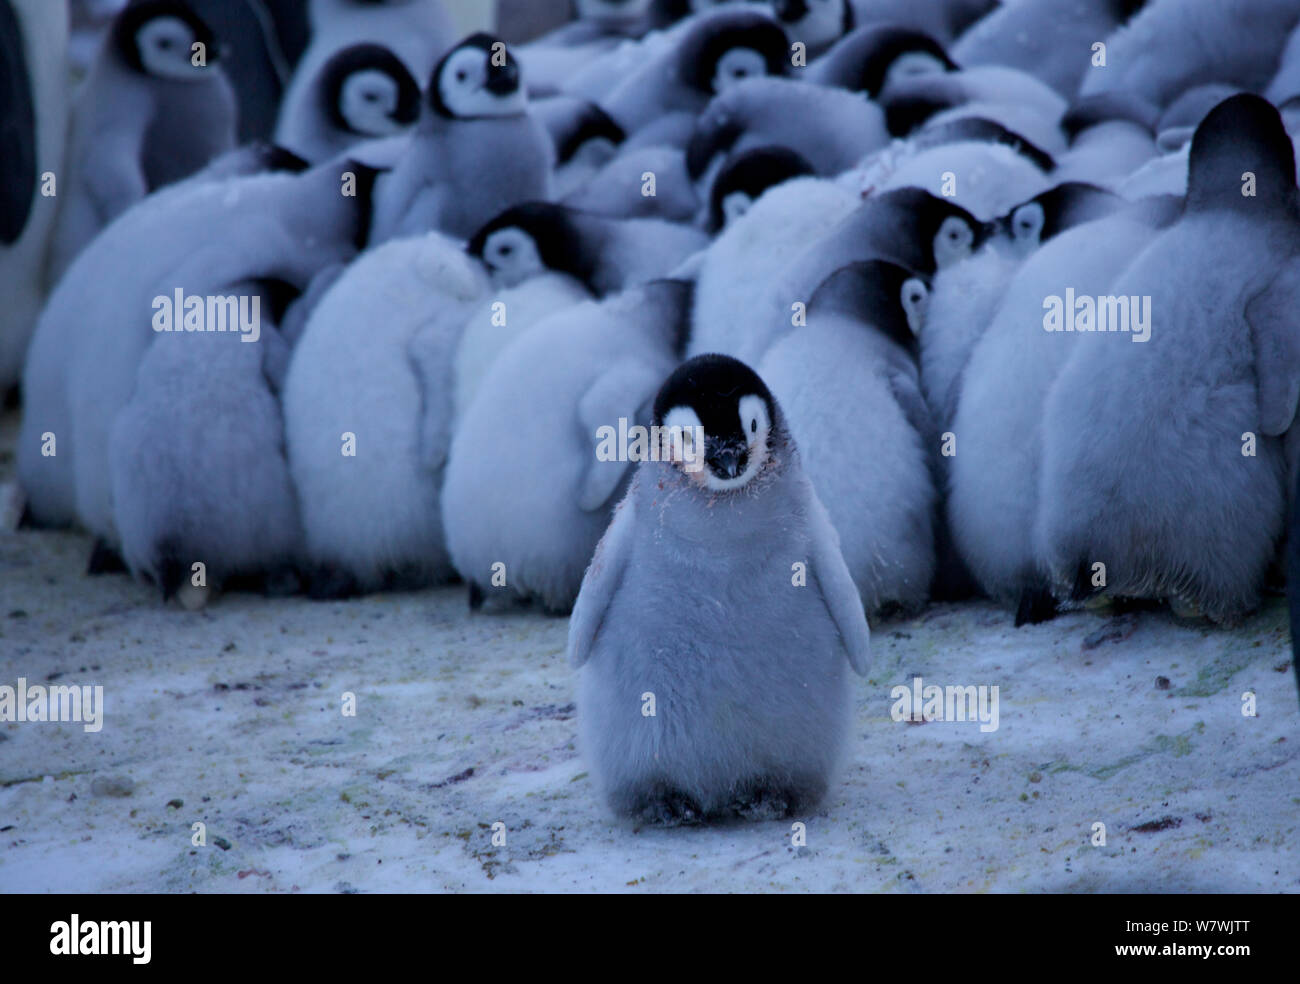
(719, 594)
(155, 108)
(531, 478)
(606, 255)
(207, 486)
(847, 381)
(475, 152)
(372, 518)
(1146, 467)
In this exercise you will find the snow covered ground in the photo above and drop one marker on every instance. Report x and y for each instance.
(232, 717)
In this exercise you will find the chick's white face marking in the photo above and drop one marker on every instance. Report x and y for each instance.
(512, 256)
(463, 87)
(730, 462)
(910, 65)
(734, 206)
(1027, 227)
(164, 44)
(737, 65)
(367, 100)
(953, 242)
(916, 303)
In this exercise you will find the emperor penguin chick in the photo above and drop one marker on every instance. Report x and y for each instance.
(849, 384)
(746, 668)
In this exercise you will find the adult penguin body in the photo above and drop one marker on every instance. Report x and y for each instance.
(606, 255)
(364, 92)
(994, 403)
(368, 415)
(1151, 444)
(475, 151)
(749, 673)
(529, 485)
(202, 497)
(199, 238)
(848, 379)
(155, 108)
(33, 118)
(418, 32)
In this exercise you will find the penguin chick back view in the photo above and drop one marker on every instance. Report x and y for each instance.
(527, 485)
(717, 621)
(1162, 460)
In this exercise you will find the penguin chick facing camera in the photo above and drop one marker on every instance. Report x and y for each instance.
(732, 699)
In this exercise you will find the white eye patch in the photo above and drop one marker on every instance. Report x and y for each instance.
(1027, 225)
(737, 65)
(735, 205)
(164, 44)
(682, 439)
(367, 101)
(915, 298)
(909, 65)
(952, 242)
(513, 256)
(462, 87)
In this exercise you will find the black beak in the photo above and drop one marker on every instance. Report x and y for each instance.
(502, 79)
(727, 461)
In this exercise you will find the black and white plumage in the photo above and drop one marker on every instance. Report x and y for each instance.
(363, 92)
(155, 108)
(849, 386)
(475, 151)
(606, 255)
(747, 667)
(1160, 426)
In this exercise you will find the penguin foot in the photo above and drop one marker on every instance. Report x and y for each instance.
(765, 802)
(104, 560)
(329, 583)
(475, 596)
(13, 397)
(668, 807)
(27, 520)
(1036, 606)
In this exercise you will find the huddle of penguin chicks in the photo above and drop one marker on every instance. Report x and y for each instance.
(834, 281)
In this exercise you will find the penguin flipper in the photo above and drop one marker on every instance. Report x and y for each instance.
(622, 392)
(603, 576)
(838, 590)
(117, 181)
(1277, 348)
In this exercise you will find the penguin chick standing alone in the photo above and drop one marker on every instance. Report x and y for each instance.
(690, 609)
(476, 152)
(156, 107)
